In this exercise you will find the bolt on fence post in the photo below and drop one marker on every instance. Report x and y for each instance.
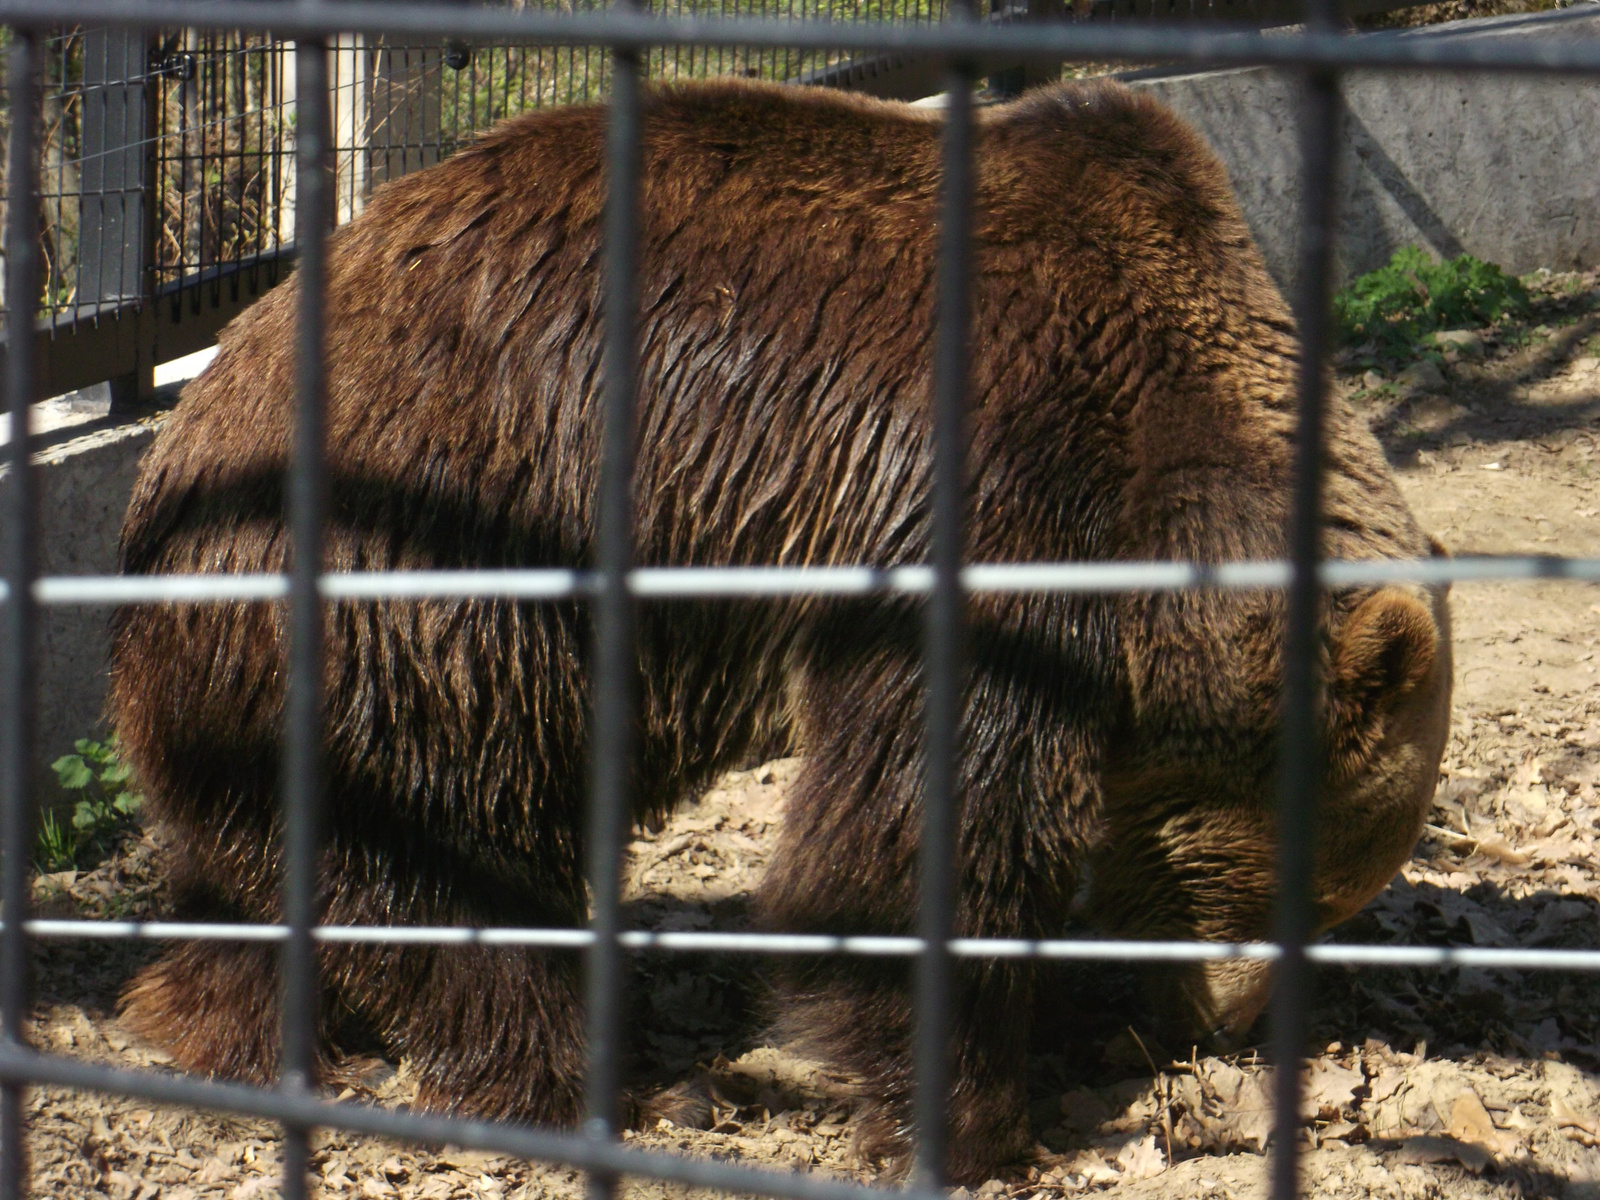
(306, 497)
(1301, 750)
(615, 661)
(17, 649)
(939, 872)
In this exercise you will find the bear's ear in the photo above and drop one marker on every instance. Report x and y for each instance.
(1385, 649)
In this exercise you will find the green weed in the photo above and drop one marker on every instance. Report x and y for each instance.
(54, 849)
(1413, 296)
(106, 806)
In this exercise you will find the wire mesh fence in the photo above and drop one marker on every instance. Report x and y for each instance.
(330, 171)
(178, 141)
(165, 154)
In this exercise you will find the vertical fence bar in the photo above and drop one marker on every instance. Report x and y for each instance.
(1302, 752)
(306, 500)
(943, 627)
(17, 649)
(114, 217)
(150, 217)
(611, 740)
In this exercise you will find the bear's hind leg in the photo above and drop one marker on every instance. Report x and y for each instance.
(213, 1006)
(493, 1032)
(216, 1006)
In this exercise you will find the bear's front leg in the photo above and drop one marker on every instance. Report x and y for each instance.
(848, 862)
(859, 1015)
(847, 865)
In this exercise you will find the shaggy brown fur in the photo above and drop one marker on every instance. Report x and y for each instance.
(1132, 398)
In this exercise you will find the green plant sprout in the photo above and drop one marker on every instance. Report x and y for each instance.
(55, 847)
(1413, 296)
(105, 810)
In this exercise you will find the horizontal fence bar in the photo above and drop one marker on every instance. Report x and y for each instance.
(813, 943)
(540, 583)
(1032, 41)
(516, 1141)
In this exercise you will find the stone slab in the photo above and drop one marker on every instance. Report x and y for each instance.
(84, 481)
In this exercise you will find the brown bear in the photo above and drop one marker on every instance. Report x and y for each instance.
(1132, 398)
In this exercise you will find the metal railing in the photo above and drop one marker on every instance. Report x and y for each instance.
(1318, 55)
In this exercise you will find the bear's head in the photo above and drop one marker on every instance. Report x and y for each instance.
(1188, 846)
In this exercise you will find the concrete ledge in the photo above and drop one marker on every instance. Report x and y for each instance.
(86, 477)
(1506, 168)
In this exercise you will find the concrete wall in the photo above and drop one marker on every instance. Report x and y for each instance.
(85, 479)
(1504, 168)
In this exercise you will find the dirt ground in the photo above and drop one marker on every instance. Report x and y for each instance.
(1458, 1083)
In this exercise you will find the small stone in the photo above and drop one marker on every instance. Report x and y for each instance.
(1465, 342)
(1587, 365)
(1372, 381)
(1423, 376)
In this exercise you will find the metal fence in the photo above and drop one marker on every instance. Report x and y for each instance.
(165, 155)
(1317, 56)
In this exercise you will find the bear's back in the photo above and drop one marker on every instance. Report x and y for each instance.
(1121, 315)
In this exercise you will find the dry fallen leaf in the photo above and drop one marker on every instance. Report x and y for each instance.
(1470, 1122)
(213, 1171)
(1245, 1115)
(1565, 1082)
(1329, 1086)
(1567, 1117)
(1530, 774)
(1337, 1129)
(1386, 1083)
(1141, 1158)
(1427, 1149)
(1557, 849)
(1092, 1167)
(1493, 845)
(467, 1160)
